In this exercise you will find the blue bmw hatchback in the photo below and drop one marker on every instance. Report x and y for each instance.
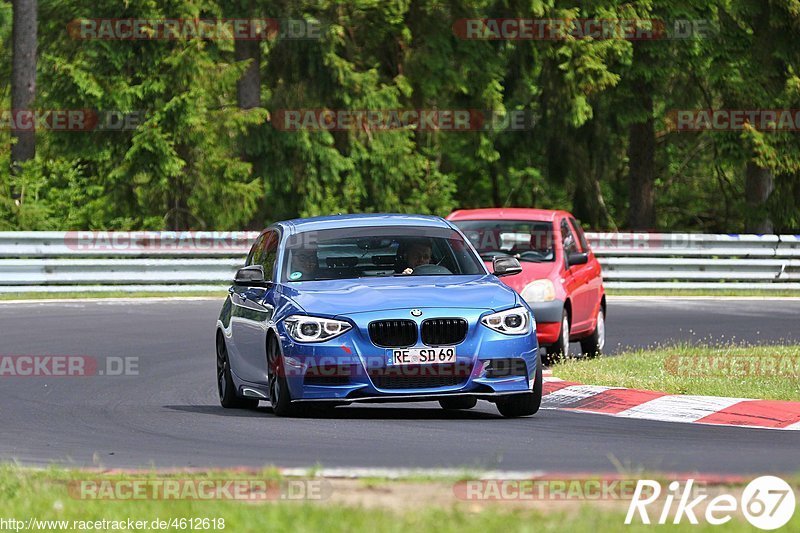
(374, 308)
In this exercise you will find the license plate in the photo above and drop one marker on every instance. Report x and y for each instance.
(423, 356)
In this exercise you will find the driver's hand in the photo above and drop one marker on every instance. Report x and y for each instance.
(408, 271)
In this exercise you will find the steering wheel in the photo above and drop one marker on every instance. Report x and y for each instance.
(429, 270)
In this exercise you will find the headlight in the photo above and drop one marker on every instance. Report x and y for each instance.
(314, 329)
(541, 290)
(515, 321)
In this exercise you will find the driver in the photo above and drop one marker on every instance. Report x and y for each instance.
(417, 254)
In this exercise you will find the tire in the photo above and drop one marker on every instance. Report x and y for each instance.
(593, 345)
(458, 403)
(226, 389)
(523, 404)
(279, 395)
(559, 350)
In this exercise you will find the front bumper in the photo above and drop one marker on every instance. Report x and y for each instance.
(548, 320)
(351, 368)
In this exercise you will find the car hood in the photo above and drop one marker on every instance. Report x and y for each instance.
(530, 272)
(347, 297)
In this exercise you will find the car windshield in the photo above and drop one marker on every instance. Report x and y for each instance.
(527, 240)
(347, 253)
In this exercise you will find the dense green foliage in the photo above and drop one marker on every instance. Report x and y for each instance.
(198, 161)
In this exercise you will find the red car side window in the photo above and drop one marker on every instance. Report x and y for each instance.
(581, 236)
(568, 238)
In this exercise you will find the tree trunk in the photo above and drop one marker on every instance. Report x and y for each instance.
(23, 78)
(758, 185)
(178, 217)
(642, 150)
(758, 181)
(587, 162)
(248, 88)
(248, 96)
(496, 200)
(641, 174)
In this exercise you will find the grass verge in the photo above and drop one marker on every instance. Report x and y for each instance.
(761, 372)
(46, 496)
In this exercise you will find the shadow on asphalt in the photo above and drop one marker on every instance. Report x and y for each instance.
(342, 412)
(398, 413)
(216, 410)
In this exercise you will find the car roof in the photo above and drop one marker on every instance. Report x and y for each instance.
(299, 225)
(507, 213)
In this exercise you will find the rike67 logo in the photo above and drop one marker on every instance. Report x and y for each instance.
(767, 502)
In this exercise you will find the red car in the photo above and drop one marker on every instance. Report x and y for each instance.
(561, 278)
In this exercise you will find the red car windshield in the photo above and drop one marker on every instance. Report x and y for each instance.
(527, 240)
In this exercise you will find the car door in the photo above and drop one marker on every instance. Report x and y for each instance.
(592, 271)
(252, 309)
(578, 279)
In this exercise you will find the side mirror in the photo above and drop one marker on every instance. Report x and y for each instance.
(250, 276)
(506, 266)
(577, 258)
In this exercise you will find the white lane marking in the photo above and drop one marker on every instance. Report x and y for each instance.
(793, 427)
(399, 473)
(570, 395)
(679, 408)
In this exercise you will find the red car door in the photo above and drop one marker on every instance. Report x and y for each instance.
(578, 289)
(593, 270)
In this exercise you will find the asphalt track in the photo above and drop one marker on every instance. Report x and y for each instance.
(168, 415)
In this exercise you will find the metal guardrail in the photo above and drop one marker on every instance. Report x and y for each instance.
(698, 261)
(110, 244)
(205, 261)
